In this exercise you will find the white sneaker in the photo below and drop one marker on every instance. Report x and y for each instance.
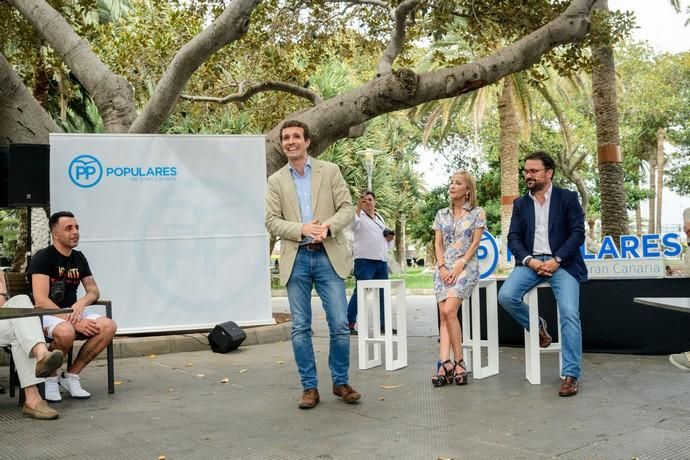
(52, 390)
(72, 384)
(681, 360)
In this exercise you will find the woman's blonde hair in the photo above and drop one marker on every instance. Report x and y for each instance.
(471, 187)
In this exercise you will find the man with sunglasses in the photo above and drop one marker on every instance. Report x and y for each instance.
(546, 231)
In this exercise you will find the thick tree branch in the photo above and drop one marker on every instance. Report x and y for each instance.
(378, 3)
(228, 27)
(22, 119)
(577, 160)
(111, 93)
(399, 17)
(401, 89)
(245, 94)
(397, 40)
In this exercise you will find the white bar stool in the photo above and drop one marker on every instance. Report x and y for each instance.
(368, 305)
(472, 341)
(532, 350)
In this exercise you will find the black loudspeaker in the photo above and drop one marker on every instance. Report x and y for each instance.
(226, 337)
(4, 173)
(28, 175)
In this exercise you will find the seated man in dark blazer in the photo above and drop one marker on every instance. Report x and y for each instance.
(546, 231)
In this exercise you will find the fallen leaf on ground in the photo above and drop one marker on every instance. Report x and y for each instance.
(153, 355)
(189, 365)
(390, 387)
(170, 389)
(161, 457)
(118, 382)
(200, 375)
(382, 398)
(280, 362)
(225, 380)
(242, 371)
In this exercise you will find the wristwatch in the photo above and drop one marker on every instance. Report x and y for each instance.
(557, 259)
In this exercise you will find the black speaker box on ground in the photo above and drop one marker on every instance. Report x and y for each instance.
(29, 180)
(226, 337)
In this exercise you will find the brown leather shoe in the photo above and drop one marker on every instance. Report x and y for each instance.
(310, 398)
(544, 337)
(347, 393)
(50, 362)
(568, 387)
(42, 411)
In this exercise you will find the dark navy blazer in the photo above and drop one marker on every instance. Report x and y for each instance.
(566, 230)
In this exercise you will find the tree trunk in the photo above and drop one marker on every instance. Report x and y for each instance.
(430, 258)
(400, 244)
(638, 208)
(614, 215)
(651, 216)
(22, 119)
(509, 132)
(112, 94)
(660, 138)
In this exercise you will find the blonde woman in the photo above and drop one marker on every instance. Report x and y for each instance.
(458, 229)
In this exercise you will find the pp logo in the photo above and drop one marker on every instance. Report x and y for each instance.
(85, 171)
(487, 255)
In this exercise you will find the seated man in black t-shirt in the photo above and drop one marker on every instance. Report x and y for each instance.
(54, 275)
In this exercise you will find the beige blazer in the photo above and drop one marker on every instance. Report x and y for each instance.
(331, 203)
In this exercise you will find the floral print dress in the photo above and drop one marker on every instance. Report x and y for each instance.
(457, 237)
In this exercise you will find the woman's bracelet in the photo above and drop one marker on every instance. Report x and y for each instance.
(463, 260)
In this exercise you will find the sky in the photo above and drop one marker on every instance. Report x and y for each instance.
(665, 30)
(658, 23)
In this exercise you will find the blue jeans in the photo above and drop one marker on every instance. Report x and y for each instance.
(314, 268)
(566, 290)
(367, 269)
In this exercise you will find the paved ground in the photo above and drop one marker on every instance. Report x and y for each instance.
(177, 405)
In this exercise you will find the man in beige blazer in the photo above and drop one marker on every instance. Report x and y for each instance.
(308, 205)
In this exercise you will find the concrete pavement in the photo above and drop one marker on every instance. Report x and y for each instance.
(179, 405)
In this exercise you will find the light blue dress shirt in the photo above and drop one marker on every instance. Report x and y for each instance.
(303, 189)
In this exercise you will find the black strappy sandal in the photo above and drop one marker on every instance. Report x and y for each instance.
(439, 380)
(460, 378)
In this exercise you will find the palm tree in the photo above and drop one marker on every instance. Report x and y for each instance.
(509, 134)
(614, 214)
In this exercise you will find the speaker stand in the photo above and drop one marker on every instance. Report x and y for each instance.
(28, 235)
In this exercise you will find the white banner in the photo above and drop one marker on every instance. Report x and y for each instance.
(172, 226)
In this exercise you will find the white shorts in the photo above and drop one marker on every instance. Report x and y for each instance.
(50, 321)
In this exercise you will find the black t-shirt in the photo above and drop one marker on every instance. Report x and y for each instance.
(72, 269)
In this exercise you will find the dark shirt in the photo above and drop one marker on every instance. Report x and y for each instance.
(72, 269)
